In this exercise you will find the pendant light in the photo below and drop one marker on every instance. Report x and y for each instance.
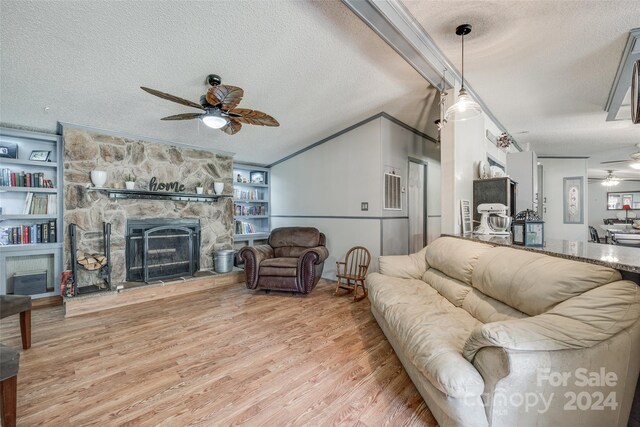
(465, 107)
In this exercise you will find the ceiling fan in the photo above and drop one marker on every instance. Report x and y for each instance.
(633, 161)
(219, 106)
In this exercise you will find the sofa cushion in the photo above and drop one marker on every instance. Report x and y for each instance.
(453, 290)
(532, 282)
(431, 331)
(455, 257)
(385, 291)
(404, 266)
(580, 322)
(487, 309)
(287, 267)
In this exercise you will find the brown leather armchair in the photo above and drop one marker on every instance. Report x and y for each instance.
(292, 260)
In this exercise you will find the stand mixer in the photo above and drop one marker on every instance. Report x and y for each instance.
(494, 220)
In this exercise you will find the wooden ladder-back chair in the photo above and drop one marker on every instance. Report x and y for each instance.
(353, 271)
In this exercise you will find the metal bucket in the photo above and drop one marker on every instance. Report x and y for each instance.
(223, 261)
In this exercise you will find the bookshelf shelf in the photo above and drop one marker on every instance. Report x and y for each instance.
(250, 216)
(21, 162)
(30, 246)
(249, 184)
(28, 189)
(27, 217)
(249, 201)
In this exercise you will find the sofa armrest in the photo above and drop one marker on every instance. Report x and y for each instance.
(549, 383)
(253, 256)
(579, 322)
(410, 266)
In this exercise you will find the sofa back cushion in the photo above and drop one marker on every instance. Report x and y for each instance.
(486, 309)
(455, 257)
(293, 241)
(532, 282)
(453, 290)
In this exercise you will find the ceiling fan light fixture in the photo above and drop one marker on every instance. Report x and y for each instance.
(214, 121)
(610, 180)
(465, 107)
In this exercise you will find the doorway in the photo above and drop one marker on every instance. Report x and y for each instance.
(416, 204)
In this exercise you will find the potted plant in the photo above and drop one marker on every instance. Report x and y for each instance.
(130, 181)
(199, 188)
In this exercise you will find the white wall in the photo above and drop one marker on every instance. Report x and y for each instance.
(555, 170)
(464, 146)
(598, 201)
(323, 187)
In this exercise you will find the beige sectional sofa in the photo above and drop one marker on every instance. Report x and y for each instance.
(496, 336)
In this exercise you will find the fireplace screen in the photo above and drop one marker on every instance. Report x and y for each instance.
(156, 252)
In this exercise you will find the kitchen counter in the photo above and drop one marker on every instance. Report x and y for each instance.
(619, 257)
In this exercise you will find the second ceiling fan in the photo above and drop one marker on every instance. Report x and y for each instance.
(219, 108)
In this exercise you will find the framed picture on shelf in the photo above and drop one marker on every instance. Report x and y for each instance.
(8, 150)
(257, 177)
(40, 155)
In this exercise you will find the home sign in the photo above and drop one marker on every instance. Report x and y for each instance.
(176, 187)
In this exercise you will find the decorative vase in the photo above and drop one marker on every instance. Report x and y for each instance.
(98, 178)
(218, 187)
(199, 190)
(130, 185)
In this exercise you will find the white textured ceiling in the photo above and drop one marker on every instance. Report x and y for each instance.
(544, 68)
(314, 66)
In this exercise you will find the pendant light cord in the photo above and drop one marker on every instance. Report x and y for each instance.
(462, 62)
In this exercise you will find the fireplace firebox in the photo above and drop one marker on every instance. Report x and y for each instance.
(162, 248)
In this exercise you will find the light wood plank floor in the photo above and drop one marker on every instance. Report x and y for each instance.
(227, 356)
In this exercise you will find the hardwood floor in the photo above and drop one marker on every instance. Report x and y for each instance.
(226, 356)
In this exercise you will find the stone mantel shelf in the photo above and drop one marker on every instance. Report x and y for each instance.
(119, 193)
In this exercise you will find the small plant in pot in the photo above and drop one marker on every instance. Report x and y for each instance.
(199, 188)
(130, 181)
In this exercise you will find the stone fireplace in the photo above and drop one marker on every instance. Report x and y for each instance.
(86, 151)
(160, 249)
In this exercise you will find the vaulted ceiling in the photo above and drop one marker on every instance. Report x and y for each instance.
(544, 68)
(314, 66)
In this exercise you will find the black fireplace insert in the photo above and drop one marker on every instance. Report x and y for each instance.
(162, 248)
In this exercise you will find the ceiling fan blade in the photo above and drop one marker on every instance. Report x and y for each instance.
(254, 117)
(172, 98)
(184, 116)
(614, 161)
(228, 96)
(232, 127)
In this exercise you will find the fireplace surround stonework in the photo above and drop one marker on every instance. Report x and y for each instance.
(86, 151)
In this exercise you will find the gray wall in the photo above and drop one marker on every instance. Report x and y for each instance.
(324, 187)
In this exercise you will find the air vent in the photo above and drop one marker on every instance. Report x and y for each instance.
(392, 192)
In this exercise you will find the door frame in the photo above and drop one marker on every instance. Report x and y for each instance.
(425, 202)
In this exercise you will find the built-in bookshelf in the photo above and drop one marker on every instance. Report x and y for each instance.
(31, 203)
(251, 196)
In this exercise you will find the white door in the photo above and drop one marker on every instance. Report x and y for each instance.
(416, 189)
